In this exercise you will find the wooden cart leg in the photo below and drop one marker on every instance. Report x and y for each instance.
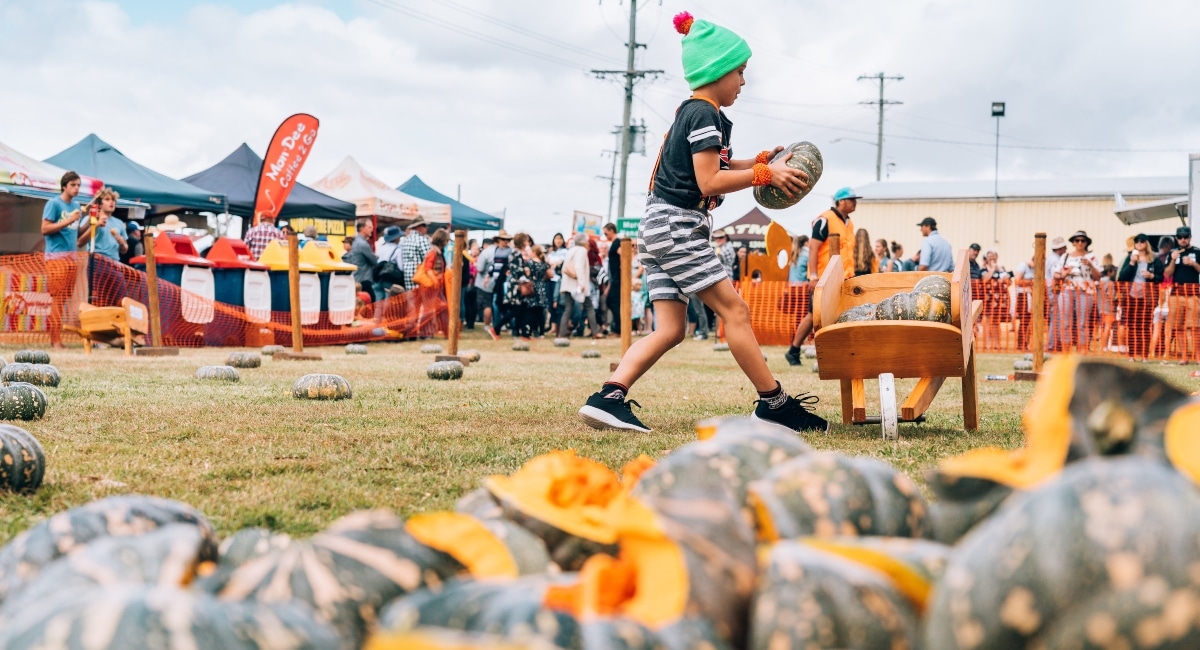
(858, 391)
(970, 397)
(918, 401)
(847, 402)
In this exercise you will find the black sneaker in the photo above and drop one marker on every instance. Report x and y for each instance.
(795, 414)
(611, 411)
(793, 358)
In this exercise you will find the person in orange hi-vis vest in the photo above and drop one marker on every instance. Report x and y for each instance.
(834, 221)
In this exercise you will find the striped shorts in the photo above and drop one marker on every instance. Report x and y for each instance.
(674, 249)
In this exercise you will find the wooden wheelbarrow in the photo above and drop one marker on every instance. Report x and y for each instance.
(126, 323)
(853, 352)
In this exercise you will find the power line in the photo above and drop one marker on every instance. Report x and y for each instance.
(471, 33)
(549, 40)
(966, 143)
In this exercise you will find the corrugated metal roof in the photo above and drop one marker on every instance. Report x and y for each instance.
(1037, 188)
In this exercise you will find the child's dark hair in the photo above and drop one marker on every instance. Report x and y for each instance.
(67, 178)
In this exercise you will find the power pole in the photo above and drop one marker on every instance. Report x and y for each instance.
(631, 77)
(881, 77)
(612, 181)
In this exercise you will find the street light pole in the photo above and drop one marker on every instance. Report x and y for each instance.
(997, 112)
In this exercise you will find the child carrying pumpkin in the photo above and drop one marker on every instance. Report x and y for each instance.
(693, 172)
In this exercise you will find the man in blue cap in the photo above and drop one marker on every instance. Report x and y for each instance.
(834, 221)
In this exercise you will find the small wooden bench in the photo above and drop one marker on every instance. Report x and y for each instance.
(128, 322)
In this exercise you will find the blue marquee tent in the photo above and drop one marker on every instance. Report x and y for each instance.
(94, 157)
(237, 176)
(461, 216)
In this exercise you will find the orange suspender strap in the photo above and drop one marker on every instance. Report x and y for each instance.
(658, 160)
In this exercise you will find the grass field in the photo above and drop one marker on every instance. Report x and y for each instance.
(248, 454)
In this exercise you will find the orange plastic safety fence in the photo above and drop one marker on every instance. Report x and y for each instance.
(41, 297)
(1132, 320)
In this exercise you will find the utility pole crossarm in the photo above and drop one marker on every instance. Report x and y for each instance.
(881, 103)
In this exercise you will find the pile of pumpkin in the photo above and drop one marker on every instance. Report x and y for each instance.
(20, 395)
(1088, 537)
(928, 301)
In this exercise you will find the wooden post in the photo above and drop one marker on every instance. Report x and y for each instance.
(626, 296)
(152, 290)
(297, 352)
(1037, 341)
(835, 248)
(156, 348)
(454, 290)
(294, 291)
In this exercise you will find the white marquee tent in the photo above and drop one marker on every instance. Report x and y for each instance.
(374, 198)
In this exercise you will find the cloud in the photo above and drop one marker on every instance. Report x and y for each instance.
(447, 88)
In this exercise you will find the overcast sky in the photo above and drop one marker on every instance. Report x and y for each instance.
(496, 96)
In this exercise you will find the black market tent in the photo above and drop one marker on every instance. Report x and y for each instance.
(749, 230)
(237, 178)
(462, 216)
(94, 157)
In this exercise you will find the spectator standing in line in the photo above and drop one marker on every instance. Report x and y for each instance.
(1023, 316)
(798, 272)
(576, 287)
(992, 277)
(834, 221)
(264, 233)
(936, 253)
(414, 247)
(1184, 270)
(498, 270)
(59, 226)
(109, 243)
(1106, 304)
(467, 284)
(898, 261)
(1141, 272)
(612, 293)
(973, 260)
(133, 239)
(1078, 271)
(386, 249)
(883, 257)
(726, 252)
(483, 284)
(864, 257)
(362, 256)
(555, 257)
(1058, 248)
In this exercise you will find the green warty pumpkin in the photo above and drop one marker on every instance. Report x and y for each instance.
(431, 348)
(32, 356)
(356, 348)
(218, 373)
(321, 386)
(445, 370)
(22, 466)
(805, 157)
(243, 360)
(21, 401)
(37, 374)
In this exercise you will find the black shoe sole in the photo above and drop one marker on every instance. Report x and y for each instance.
(597, 419)
(754, 416)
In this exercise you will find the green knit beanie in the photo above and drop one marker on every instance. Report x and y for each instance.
(709, 51)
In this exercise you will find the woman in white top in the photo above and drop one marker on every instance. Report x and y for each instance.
(1077, 271)
(576, 286)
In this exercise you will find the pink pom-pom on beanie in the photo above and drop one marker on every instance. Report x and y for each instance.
(683, 22)
(709, 51)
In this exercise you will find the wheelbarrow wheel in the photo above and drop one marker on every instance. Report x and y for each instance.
(887, 406)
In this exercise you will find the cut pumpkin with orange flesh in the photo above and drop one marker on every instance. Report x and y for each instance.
(648, 584)
(1047, 434)
(1182, 440)
(563, 499)
(913, 565)
(487, 548)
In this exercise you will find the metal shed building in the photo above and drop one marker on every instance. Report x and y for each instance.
(1058, 207)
